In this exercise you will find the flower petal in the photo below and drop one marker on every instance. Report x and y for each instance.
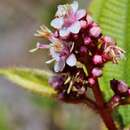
(80, 14)
(71, 60)
(64, 32)
(54, 54)
(57, 22)
(75, 28)
(59, 66)
(62, 10)
(75, 6)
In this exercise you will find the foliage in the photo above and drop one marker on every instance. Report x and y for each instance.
(31, 79)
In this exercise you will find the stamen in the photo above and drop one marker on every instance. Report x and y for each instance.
(33, 50)
(72, 47)
(67, 80)
(70, 87)
(50, 61)
(43, 32)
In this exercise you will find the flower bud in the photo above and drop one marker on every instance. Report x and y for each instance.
(95, 31)
(96, 72)
(114, 101)
(108, 39)
(87, 40)
(83, 50)
(97, 59)
(119, 87)
(122, 87)
(56, 82)
(91, 81)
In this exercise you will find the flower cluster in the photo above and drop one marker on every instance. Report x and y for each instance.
(78, 49)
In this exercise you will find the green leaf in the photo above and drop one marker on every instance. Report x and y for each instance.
(114, 18)
(33, 80)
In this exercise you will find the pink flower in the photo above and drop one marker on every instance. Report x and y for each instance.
(68, 19)
(61, 52)
(65, 56)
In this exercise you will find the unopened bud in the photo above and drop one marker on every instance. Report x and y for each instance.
(114, 101)
(97, 59)
(56, 82)
(119, 87)
(87, 40)
(122, 87)
(83, 50)
(108, 39)
(97, 72)
(91, 81)
(95, 31)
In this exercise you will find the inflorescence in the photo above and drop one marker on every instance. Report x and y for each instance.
(79, 52)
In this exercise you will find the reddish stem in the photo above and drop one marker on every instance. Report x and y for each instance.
(104, 113)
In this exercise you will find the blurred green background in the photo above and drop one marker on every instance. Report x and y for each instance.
(20, 110)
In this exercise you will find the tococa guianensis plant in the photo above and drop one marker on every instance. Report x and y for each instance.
(84, 50)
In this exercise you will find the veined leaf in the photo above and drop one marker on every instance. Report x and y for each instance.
(114, 18)
(33, 80)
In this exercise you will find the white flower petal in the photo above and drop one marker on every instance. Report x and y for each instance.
(71, 60)
(59, 66)
(64, 32)
(57, 23)
(80, 14)
(75, 28)
(61, 10)
(54, 54)
(75, 6)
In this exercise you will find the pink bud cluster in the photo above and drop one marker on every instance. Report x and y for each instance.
(120, 88)
(78, 49)
(121, 93)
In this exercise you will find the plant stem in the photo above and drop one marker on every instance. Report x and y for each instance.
(105, 115)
